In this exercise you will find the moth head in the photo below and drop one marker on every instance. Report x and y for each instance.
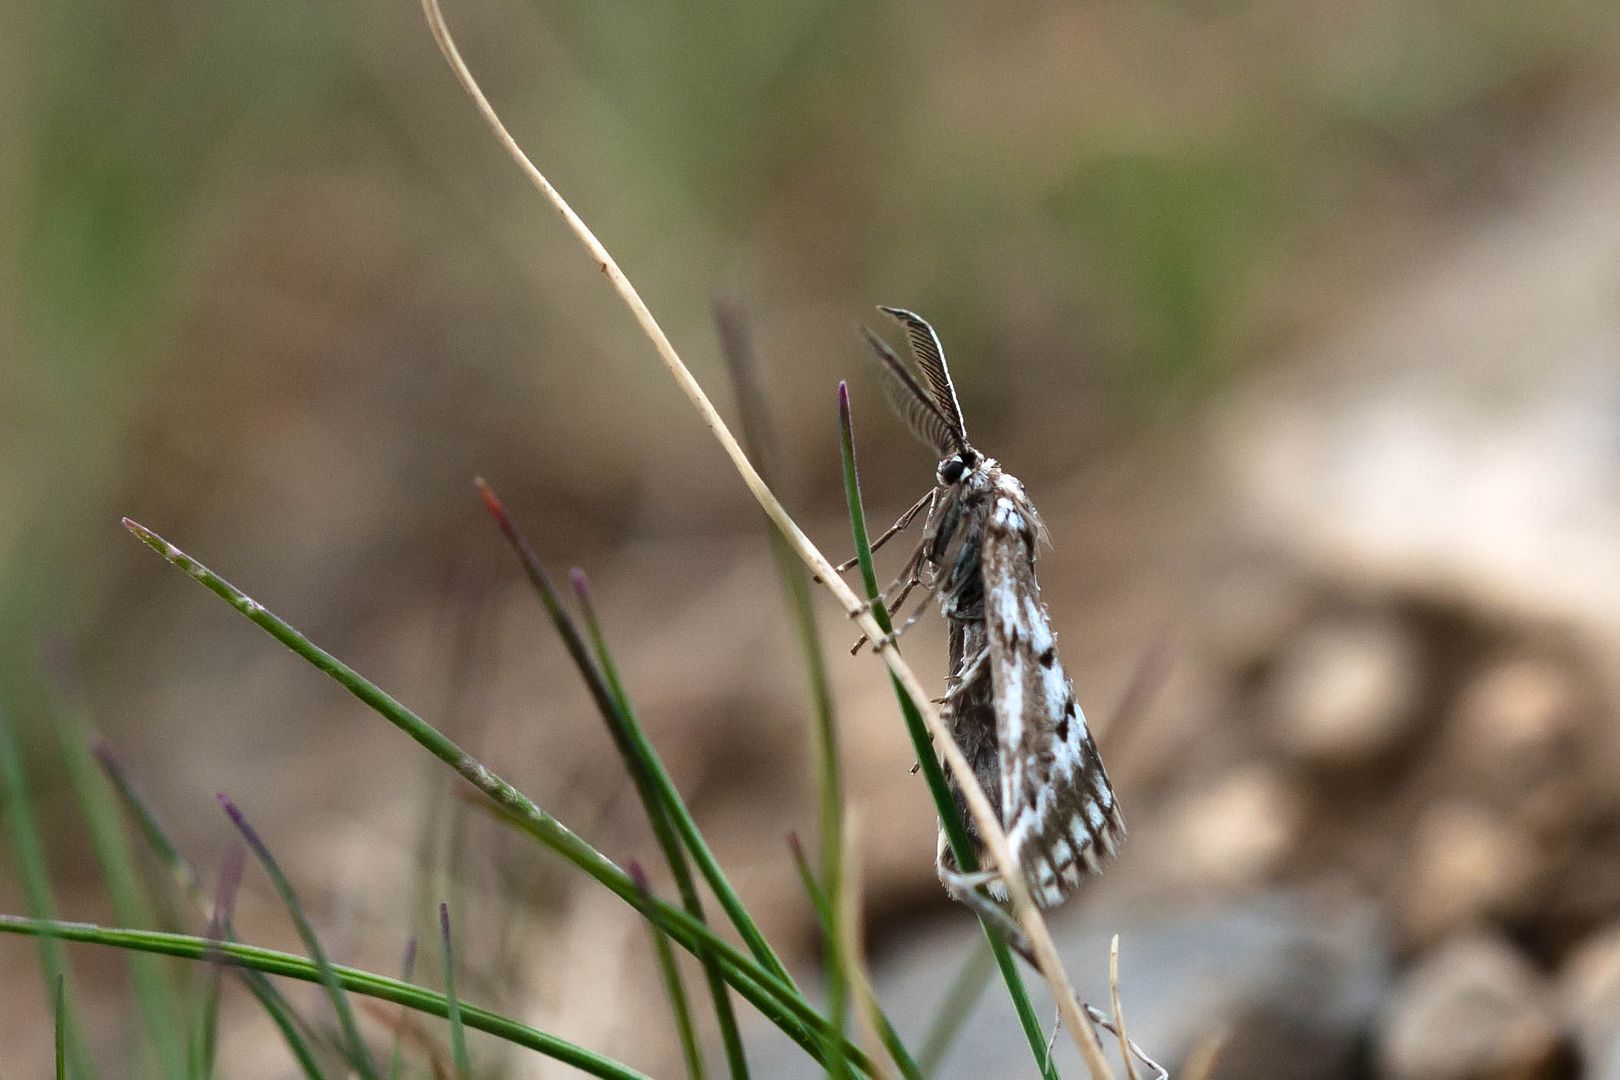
(952, 469)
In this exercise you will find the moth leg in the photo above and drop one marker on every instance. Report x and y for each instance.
(964, 889)
(900, 525)
(894, 635)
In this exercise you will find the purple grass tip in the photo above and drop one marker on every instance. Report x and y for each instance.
(582, 584)
(795, 845)
(410, 958)
(102, 751)
(843, 397)
(444, 919)
(234, 812)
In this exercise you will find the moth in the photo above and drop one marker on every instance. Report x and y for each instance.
(1008, 702)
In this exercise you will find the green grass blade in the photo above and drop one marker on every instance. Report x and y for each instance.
(644, 753)
(299, 1039)
(645, 763)
(955, 835)
(638, 756)
(777, 1000)
(396, 1057)
(737, 348)
(690, 1052)
(958, 1004)
(458, 1033)
(33, 875)
(131, 905)
(293, 1032)
(824, 911)
(140, 811)
(205, 1031)
(61, 1029)
(354, 1045)
(784, 1007)
(354, 980)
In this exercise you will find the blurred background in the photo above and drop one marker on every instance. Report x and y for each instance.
(1300, 322)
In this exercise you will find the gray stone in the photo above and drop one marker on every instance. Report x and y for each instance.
(1344, 692)
(1294, 981)
(1473, 1009)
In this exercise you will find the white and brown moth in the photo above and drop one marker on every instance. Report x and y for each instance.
(1008, 702)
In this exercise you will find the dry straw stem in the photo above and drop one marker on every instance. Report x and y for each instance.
(995, 840)
(1119, 1010)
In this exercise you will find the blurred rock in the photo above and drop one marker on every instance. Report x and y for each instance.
(1472, 1010)
(1589, 994)
(1457, 441)
(1513, 715)
(1345, 692)
(1465, 865)
(1293, 980)
(1248, 616)
(1238, 830)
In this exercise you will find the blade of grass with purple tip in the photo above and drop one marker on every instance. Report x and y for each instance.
(955, 834)
(298, 1038)
(354, 1045)
(640, 760)
(458, 1034)
(775, 998)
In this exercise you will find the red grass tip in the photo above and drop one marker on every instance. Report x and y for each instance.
(639, 876)
(491, 500)
(582, 584)
(795, 845)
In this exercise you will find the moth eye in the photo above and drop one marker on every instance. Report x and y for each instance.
(951, 469)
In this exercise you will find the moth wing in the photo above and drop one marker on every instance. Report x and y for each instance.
(1058, 808)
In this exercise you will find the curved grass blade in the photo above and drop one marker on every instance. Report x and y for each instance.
(299, 1040)
(737, 348)
(690, 1054)
(955, 835)
(354, 980)
(658, 799)
(154, 992)
(777, 1000)
(34, 877)
(354, 1045)
(458, 1034)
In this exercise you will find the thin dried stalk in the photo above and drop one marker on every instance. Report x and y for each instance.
(1024, 910)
